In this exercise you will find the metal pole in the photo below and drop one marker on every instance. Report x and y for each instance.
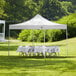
(4, 31)
(44, 36)
(66, 42)
(44, 43)
(32, 37)
(9, 43)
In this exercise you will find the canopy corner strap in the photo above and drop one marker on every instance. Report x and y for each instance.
(38, 22)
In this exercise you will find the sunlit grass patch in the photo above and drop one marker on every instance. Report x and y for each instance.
(16, 65)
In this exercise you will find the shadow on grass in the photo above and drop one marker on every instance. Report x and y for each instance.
(58, 45)
(5, 48)
(53, 63)
(14, 45)
(13, 74)
(42, 57)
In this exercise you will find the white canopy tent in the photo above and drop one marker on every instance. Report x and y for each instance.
(2, 34)
(38, 22)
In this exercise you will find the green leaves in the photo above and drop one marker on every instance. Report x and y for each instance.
(20, 10)
(16, 11)
(67, 7)
(71, 23)
(2, 12)
(38, 35)
(52, 9)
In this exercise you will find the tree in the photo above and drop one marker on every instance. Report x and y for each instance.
(72, 1)
(67, 6)
(52, 9)
(2, 12)
(70, 20)
(20, 10)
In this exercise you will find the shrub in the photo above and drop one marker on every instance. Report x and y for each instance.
(55, 35)
(38, 35)
(23, 36)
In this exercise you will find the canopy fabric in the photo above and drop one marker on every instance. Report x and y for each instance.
(2, 22)
(38, 22)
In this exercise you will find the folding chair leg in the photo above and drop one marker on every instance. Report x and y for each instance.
(55, 54)
(29, 54)
(19, 53)
(22, 54)
(58, 53)
(38, 54)
(49, 54)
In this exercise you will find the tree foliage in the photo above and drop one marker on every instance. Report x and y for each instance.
(38, 35)
(52, 35)
(68, 7)
(20, 10)
(71, 23)
(16, 11)
(52, 9)
(2, 11)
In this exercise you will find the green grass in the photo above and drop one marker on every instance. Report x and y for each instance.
(15, 65)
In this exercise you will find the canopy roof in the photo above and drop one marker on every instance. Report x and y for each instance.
(38, 22)
(2, 21)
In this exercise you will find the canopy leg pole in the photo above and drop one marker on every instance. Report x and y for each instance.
(33, 37)
(66, 42)
(44, 37)
(9, 43)
(33, 41)
(4, 31)
(44, 44)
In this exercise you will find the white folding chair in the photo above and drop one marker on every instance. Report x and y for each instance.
(39, 49)
(20, 49)
(57, 50)
(26, 49)
(31, 50)
(53, 49)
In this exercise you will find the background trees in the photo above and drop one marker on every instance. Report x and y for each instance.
(52, 9)
(2, 12)
(71, 22)
(16, 11)
(21, 10)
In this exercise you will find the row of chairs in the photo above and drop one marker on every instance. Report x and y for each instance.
(44, 50)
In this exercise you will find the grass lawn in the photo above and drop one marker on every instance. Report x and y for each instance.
(15, 65)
